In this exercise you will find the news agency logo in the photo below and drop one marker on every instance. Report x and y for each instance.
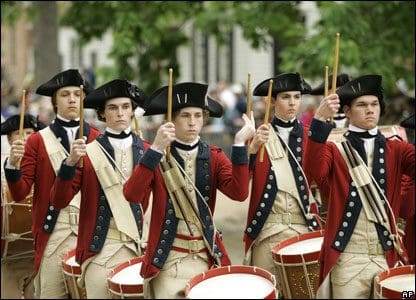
(408, 294)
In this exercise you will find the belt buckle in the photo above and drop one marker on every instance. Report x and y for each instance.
(286, 218)
(73, 218)
(124, 237)
(193, 246)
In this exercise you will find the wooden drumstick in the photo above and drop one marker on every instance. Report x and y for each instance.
(248, 109)
(326, 82)
(21, 121)
(81, 120)
(266, 114)
(334, 75)
(169, 113)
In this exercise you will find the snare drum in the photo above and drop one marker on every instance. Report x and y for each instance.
(395, 283)
(297, 264)
(232, 282)
(125, 281)
(16, 235)
(72, 271)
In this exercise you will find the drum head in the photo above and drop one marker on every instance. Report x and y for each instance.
(232, 282)
(392, 282)
(69, 264)
(126, 279)
(303, 247)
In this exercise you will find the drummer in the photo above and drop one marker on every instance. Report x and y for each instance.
(10, 127)
(281, 205)
(359, 242)
(110, 228)
(183, 245)
(40, 157)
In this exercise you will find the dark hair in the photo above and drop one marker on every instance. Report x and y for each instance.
(205, 115)
(100, 110)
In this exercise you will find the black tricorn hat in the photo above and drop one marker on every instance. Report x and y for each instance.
(114, 89)
(12, 124)
(364, 85)
(409, 122)
(282, 83)
(69, 77)
(186, 94)
(341, 80)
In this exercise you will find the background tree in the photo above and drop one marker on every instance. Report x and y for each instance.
(43, 15)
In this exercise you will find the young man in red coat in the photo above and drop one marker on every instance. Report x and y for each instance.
(281, 205)
(183, 241)
(41, 155)
(110, 228)
(19, 218)
(361, 237)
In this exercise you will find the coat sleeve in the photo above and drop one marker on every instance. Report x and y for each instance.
(138, 187)
(20, 181)
(233, 177)
(65, 186)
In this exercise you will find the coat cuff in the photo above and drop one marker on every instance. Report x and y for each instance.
(66, 172)
(151, 159)
(319, 131)
(239, 155)
(12, 175)
(252, 161)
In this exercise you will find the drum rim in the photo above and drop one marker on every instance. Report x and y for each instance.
(70, 269)
(235, 269)
(124, 288)
(299, 257)
(387, 292)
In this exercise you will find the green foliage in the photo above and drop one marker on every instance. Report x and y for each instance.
(376, 37)
(12, 11)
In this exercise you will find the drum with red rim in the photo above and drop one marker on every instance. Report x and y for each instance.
(395, 283)
(232, 282)
(297, 263)
(72, 271)
(125, 281)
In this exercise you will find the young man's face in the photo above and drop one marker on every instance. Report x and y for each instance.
(286, 105)
(188, 123)
(68, 101)
(118, 113)
(15, 135)
(364, 112)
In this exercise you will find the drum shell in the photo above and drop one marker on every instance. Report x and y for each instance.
(381, 292)
(298, 273)
(19, 222)
(71, 274)
(120, 290)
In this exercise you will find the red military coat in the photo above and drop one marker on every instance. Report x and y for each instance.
(325, 161)
(36, 169)
(67, 185)
(230, 178)
(260, 177)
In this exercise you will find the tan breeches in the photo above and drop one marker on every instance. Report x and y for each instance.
(49, 281)
(262, 255)
(353, 275)
(171, 283)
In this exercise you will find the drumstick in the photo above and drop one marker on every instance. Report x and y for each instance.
(22, 120)
(334, 75)
(266, 114)
(169, 113)
(81, 120)
(248, 109)
(326, 82)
